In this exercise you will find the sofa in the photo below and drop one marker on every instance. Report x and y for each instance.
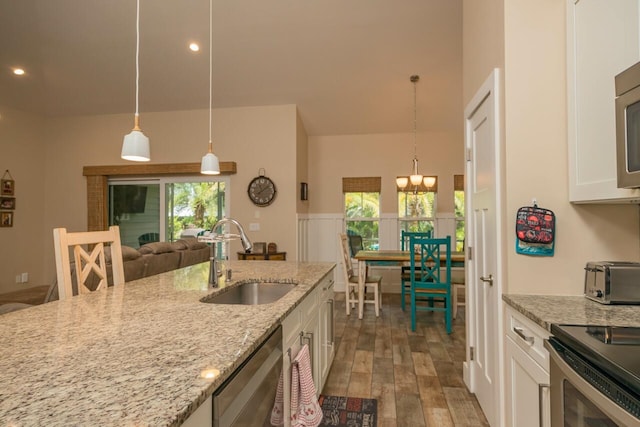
(148, 260)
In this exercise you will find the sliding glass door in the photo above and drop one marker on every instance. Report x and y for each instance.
(166, 209)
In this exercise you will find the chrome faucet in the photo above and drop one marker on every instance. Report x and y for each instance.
(246, 244)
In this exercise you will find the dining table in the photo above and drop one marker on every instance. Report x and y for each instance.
(389, 255)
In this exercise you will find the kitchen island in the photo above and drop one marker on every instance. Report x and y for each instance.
(137, 354)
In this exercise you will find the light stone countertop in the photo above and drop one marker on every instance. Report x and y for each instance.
(134, 354)
(572, 310)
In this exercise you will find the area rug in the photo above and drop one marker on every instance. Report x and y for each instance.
(340, 411)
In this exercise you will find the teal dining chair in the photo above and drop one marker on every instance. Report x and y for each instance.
(405, 278)
(430, 272)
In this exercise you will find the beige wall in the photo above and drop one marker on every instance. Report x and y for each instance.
(302, 162)
(535, 140)
(254, 137)
(384, 155)
(21, 151)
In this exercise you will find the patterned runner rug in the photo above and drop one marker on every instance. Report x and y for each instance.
(340, 411)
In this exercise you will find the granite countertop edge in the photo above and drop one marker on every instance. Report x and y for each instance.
(546, 310)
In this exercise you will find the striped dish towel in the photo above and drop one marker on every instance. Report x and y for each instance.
(277, 418)
(305, 409)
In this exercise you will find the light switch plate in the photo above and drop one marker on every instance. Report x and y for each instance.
(254, 226)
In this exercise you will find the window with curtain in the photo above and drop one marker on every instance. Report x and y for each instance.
(362, 209)
(458, 197)
(417, 208)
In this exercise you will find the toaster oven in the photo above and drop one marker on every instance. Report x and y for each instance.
(612, 282)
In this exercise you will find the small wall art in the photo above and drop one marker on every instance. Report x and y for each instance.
(7, 203)
(6, 219)
(7, 184)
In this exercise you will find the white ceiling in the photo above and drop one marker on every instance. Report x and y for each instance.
(345, 63)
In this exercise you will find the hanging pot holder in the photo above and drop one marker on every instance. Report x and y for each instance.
(535, 231)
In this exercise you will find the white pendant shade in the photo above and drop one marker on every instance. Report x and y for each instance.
(210, 164)
(135, 147)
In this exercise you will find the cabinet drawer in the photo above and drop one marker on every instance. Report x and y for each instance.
(528, 336)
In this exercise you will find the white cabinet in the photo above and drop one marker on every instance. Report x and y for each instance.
(327, 331)
(202, 417)
(311, 323)
(527, 373)
(603, 39)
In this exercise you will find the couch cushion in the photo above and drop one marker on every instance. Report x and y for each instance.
(192, 243)
(157, 248)
(128, 254)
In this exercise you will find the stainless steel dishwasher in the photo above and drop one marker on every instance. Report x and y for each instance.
(246, 398)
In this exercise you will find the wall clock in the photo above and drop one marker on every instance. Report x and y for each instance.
(261, 190)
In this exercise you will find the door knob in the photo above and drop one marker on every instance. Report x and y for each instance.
(488, 280)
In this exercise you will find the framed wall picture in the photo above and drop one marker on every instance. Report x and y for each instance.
(259, 247)
(7, 187)
(7, 203)
(6, 219)
(304, 191)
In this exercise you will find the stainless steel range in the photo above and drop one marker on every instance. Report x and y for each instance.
(595, 376)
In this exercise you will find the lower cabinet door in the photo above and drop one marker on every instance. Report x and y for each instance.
(527, 389)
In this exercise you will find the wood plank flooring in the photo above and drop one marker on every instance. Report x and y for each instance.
(416, 376)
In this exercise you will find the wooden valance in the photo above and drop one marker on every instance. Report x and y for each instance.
(362, 184)
(458, 182)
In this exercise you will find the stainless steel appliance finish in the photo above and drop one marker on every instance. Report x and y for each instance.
(612, 282)
(628, 127)
(595, 376)
(246, 398)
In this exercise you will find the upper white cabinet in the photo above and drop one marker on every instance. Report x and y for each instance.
(603, 39)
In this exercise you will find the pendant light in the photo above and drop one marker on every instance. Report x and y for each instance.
(135, 146)
(415, 178)
(210, 164)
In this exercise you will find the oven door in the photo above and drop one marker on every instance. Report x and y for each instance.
(575, 402)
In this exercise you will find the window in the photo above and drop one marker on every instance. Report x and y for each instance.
(362, 209)
(165, 209)
(417, 208)
(458, 198)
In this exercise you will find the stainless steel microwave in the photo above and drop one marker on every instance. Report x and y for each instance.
(628, 127)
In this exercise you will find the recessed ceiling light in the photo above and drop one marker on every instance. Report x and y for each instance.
(18, 71)
(194, 47)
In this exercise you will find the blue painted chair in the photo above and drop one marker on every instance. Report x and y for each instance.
(430, 276)
(405, 278)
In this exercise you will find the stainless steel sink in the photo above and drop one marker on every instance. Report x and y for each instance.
(251, 293)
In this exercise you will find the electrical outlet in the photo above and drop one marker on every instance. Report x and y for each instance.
(25, 277)
(254, 226)
(19, 278)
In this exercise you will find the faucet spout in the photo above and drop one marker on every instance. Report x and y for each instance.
(246, 243)
(214, 274)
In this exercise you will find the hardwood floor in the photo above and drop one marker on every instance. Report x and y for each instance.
(416, 376)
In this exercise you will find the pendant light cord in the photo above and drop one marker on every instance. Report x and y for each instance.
(210, 73)
(414, 79)
(137, 52)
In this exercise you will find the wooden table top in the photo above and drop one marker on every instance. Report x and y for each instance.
(397, 255)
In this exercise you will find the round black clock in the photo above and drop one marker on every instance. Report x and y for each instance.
(262, 191)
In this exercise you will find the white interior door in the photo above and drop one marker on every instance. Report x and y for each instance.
(483, 233)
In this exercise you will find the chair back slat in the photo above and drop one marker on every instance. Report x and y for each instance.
(430, 272)
(88, 263)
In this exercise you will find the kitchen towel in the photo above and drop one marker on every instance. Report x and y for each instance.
(305, 409)
(277, 418)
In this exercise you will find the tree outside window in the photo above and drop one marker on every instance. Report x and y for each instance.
(362, 217)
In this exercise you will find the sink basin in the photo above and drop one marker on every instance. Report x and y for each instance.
(252, 293)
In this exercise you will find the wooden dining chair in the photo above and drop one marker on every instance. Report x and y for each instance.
(430, 276)
(88, 258)
(351, 281)
(405, 275)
